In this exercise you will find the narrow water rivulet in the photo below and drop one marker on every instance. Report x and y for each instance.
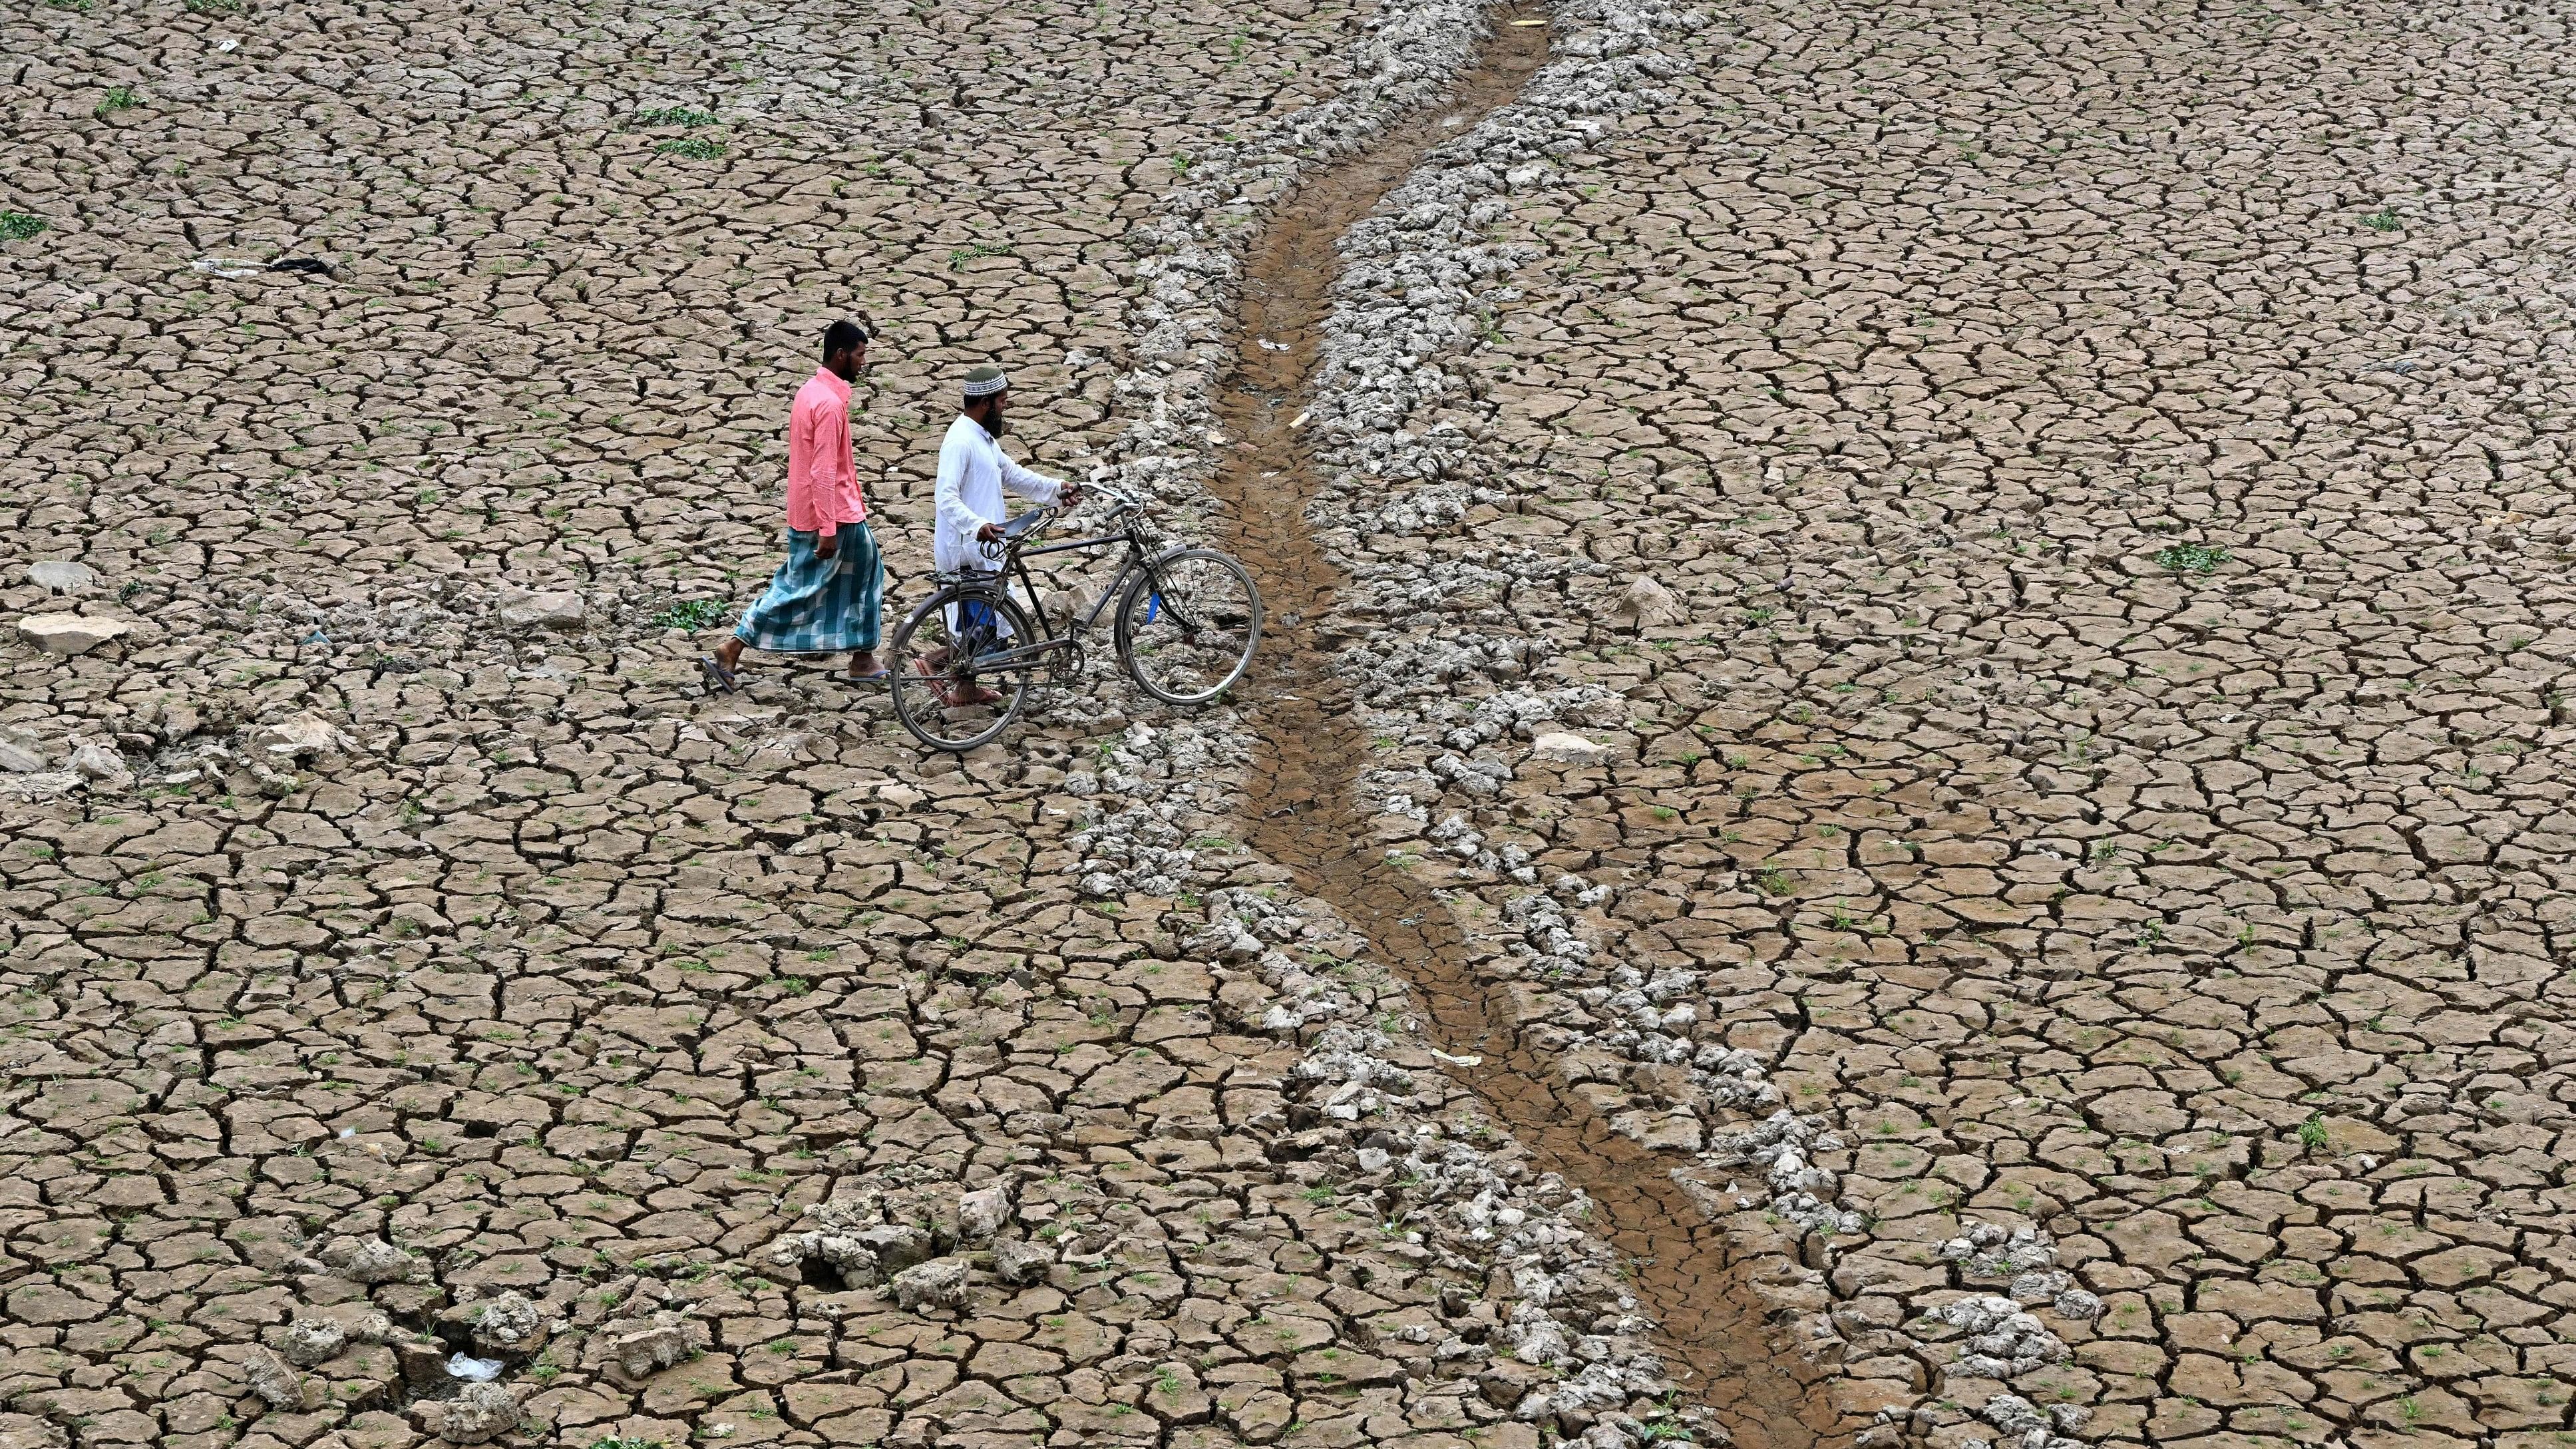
(1303, 810)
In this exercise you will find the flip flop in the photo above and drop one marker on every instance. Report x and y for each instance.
(882, 676)
(720, 680)
(940, 690)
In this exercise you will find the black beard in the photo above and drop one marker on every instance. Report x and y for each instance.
(995, 425)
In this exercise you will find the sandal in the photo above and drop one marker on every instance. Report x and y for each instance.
(940, 689)
(720, 680)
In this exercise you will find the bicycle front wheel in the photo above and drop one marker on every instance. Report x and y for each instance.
(1188, 626)
(959, 668)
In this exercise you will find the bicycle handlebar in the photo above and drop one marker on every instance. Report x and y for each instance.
(1038, 518)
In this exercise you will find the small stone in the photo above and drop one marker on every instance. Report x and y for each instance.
(897, 1245)
(296, 737)
(507, 1324)
(983, 1212)
(554, 610)
(1649, 603)
(940, 1283)
(1568, 749)
(309, 1341)
(70, 634)
(100, 765)
(481, 1413)
(369, 1260)
(268, 1377)
(1019, 1264)
(19, 759)
(657, 1345)
(62, 576)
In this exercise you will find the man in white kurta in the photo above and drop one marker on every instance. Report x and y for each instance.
(974, 473)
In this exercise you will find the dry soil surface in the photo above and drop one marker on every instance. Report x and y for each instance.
(2046, 917)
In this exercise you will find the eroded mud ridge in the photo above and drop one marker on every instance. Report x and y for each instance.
(1303, 811)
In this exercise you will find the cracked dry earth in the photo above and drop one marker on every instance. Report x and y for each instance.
(2095, 729)
(2063, 861)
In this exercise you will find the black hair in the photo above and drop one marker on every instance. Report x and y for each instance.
(842, 336)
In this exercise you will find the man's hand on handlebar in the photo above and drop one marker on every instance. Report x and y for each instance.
(989, 533)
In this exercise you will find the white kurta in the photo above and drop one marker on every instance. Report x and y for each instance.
(973, 475)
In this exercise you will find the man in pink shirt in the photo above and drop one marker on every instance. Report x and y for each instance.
(828, 594)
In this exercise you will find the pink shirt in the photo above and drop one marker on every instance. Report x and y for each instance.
(822, 481)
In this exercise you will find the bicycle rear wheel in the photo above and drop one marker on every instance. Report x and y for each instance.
(1188, 626)
(952, 672)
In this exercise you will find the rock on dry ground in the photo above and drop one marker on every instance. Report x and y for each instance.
(425, 1014)
(2071, 843)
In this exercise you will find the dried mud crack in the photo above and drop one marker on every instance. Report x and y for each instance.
(1303, 812)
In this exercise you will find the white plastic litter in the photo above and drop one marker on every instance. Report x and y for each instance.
(229, 266)
(473, 1370)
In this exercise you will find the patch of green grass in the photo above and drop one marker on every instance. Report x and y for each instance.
(680, 116)
(2191, 558)
(2312, 1132)
(2384, 219)
(977, 251)
(694, 148)
(691, 614)
(18, 225)
(118, 98)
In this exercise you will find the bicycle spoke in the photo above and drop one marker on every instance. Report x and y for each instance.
(1187, 629)
(946, 688)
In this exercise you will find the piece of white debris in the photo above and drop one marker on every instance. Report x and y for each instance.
(1457, 1061)
(473, 1370)
(1299, 421)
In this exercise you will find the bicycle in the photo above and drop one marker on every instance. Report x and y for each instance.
(964, 661)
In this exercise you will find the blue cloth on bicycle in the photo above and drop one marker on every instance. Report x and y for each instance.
(979, 627)
(817, 605)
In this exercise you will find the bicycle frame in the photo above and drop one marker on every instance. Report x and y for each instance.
(1134, 562)
(1015, 567)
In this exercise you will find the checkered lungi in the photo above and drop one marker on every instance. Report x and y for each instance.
(820, 605)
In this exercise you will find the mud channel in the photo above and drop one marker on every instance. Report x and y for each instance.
(1303, 809)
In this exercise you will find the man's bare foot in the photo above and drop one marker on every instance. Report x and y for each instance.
(864, 666)
(729, 654)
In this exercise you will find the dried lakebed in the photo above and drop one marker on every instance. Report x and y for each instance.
(1303, 811)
